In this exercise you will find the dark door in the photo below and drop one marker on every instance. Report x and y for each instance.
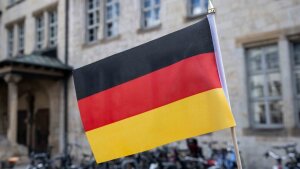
(22, 127)
(41, 130)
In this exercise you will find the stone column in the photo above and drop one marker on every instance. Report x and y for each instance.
(12, 81)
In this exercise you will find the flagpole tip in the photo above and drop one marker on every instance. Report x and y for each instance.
(211, 9)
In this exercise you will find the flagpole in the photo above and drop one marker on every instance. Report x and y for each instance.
(211, 19)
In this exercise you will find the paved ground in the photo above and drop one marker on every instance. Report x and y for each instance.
(20, 166)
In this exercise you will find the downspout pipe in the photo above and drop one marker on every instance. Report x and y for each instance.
(66, 79)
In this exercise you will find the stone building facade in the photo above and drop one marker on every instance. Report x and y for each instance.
(31, 92)
(259, 41)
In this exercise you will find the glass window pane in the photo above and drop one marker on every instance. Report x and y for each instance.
(156, 12)
(196, 7)
(254, 60)
(117, 8)
(90, 4)
(97, 17)
(196, 10)
(296, 52)
(298, 110)
(274, 84)
(10, 42)
(147, 3)
(91, 35)
(297, 81)
(196, 3)
(257, 86)
(109, 12)
(147, 14)
(272, 59)
(259, 111)
(276, 114)
(91, 18)
(112, 29)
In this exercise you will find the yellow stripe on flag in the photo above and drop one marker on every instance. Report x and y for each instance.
(195, 115)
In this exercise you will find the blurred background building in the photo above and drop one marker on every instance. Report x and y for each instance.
(41, 41)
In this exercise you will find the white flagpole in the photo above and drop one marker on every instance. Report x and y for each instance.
(219, 61)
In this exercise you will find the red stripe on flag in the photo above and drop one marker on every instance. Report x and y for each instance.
(182, 79)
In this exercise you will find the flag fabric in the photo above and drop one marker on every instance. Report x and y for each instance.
(162, 91)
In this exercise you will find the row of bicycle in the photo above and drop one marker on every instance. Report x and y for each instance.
(220, 156)
(165, 157)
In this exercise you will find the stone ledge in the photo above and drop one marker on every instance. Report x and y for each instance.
(275, 132)
(189, 18)
(110, 39)
(150, 29)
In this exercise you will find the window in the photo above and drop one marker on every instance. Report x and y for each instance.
(112, 13)
(264, 83)
(39, 32)
(197, 7)
(296, 70)
(21, 38)
(52, 28)
(10, 42)
(92, 20)
(150, 13)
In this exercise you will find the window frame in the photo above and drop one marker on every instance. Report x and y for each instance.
(37, 30)
(52, 41)
(10, 41)
(114, 19)
(95, 26)
(295, 69)
(266, 99)
(21, 38)
(150, 8)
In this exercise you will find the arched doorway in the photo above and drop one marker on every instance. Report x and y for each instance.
(33, 117)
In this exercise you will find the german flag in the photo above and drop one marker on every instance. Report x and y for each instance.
(159, 92)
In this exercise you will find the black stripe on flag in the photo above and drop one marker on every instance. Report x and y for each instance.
(143, 59)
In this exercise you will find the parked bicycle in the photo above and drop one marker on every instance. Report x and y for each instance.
(44, 161)
(291, 159)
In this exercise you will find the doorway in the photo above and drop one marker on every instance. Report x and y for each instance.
(22, 127)
(41, 132)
